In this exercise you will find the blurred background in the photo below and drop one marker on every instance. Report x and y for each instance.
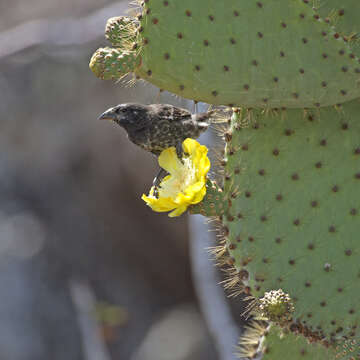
(87, 271)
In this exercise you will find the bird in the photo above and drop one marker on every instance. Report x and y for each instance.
(156, 127)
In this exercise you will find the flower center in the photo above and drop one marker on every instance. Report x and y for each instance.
(179, 180)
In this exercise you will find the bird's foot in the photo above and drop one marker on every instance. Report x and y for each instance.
(157, 180)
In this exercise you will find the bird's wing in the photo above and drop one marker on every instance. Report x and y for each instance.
(170, 112)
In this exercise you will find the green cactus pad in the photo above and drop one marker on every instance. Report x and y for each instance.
(278, 346)
(112, 63)
(273, 53)
(120, 31)
(296, 221)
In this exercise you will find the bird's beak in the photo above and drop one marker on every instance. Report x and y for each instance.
(107, 115)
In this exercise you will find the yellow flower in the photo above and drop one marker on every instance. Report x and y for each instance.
(186, 183)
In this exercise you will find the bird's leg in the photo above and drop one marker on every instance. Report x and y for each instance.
(157, 180)
(179, 151)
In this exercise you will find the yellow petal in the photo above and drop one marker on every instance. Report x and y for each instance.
(159, 205)
(169, 161)
(178, 211)
(190, 146)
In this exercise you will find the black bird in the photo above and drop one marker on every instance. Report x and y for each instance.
(159, 126)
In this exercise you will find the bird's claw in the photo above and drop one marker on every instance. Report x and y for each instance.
(157, 180)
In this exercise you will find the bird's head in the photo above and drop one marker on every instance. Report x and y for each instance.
(128, 116)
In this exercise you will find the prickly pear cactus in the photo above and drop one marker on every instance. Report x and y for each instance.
(294, 221)
(290, 199)
(251, 53)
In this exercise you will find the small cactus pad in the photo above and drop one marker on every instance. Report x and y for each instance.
(120, 31)
(276, 306)
(296, 219)
(111, 63)
(273, 53)
(213, 203)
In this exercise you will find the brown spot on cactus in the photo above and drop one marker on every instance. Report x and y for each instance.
(314, 203)
(323, 142)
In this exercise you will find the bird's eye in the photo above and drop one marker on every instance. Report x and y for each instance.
(121, 110)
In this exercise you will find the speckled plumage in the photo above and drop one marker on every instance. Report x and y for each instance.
(157, 127)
